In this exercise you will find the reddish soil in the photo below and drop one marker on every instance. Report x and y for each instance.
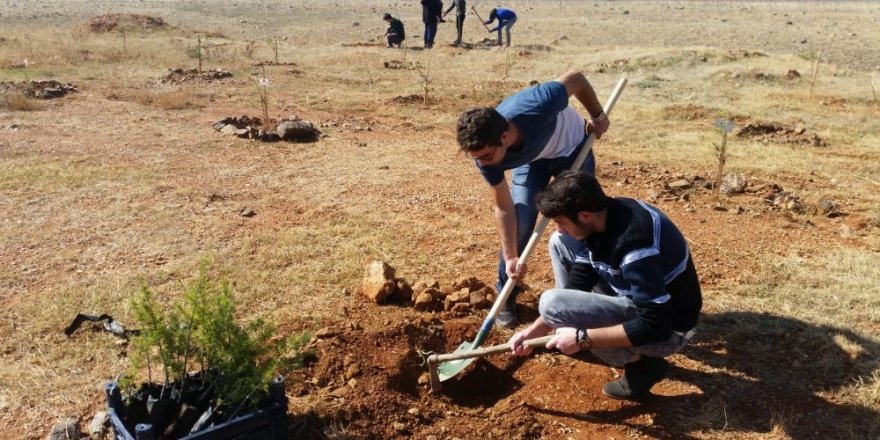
(551, 396)
(367, 376)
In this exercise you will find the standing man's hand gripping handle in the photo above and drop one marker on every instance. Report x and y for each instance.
(505, 220)
(577, 85)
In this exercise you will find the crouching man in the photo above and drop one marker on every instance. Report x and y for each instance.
(627, 289)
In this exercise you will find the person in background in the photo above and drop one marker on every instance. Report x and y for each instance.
(395, 32)
(626, 286)
(536, 134)
(432, 10)
(460, 8)
(506, 18)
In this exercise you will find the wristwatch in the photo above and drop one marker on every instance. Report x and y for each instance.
(583, 339)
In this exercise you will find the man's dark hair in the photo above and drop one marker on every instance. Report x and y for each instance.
(387, 16)
(478, 127)
(570, 193)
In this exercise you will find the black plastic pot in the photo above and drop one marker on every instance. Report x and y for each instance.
(267, 423)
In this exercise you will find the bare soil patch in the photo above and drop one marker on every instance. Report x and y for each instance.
(112, 22)
(43, 89)
(176, 76)
(771, 132)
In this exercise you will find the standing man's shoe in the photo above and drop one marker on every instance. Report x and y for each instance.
(507, 316)
(639, 378)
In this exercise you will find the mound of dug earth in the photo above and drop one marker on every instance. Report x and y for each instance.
(368, 379)
(292, 129)
(112, 22)
(175, 76)
(47, 89)
(770, 132)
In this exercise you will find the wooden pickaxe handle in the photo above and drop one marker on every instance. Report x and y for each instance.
(484, 351)
(480, 18)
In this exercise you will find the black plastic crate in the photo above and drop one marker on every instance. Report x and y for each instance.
(268, 423)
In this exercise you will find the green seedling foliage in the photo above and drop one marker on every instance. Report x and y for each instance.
(200, 333)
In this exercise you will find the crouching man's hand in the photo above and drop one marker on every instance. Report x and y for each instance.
(516, 341)
(564, 341)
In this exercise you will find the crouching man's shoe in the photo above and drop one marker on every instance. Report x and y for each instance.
(640, 376)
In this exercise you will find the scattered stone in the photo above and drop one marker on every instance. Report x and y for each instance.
(399, 427)
(769, 132)
(44, 89)
(679, 184)
(470, 283)
(828, 208)
(352, 371)
(327, 332)
(378, 281)
(791, 75)
(413, 411)
(424, 379)
(65, 430)
(177, 76)
(340, 392)
(247, 212)
(426, 283)
(398, 64)
(98, 425)
(403, 291)
(788, 201)
(733, 184)
(425, 302)
(479, 298)
(461, 308)
(253, 128)
(460, 296)
(297, 130)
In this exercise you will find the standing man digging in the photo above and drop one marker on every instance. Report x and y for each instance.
(646, 298)
(537, 134)
(460, 8)
(506, 19)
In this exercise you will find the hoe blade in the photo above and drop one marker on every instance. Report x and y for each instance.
(450, 369)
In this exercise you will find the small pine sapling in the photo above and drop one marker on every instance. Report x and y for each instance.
(724, 126)
(426, 80)
(815, 70)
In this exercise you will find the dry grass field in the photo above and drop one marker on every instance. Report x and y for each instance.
(125, 182)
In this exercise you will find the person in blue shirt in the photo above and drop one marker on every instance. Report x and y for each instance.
(536, 134)
(506, 18)
(626, 285)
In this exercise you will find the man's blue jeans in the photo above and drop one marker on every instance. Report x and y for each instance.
(526, 182)
(506, 26)
(430, 33)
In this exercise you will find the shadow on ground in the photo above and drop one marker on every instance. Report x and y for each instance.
(761, 374)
